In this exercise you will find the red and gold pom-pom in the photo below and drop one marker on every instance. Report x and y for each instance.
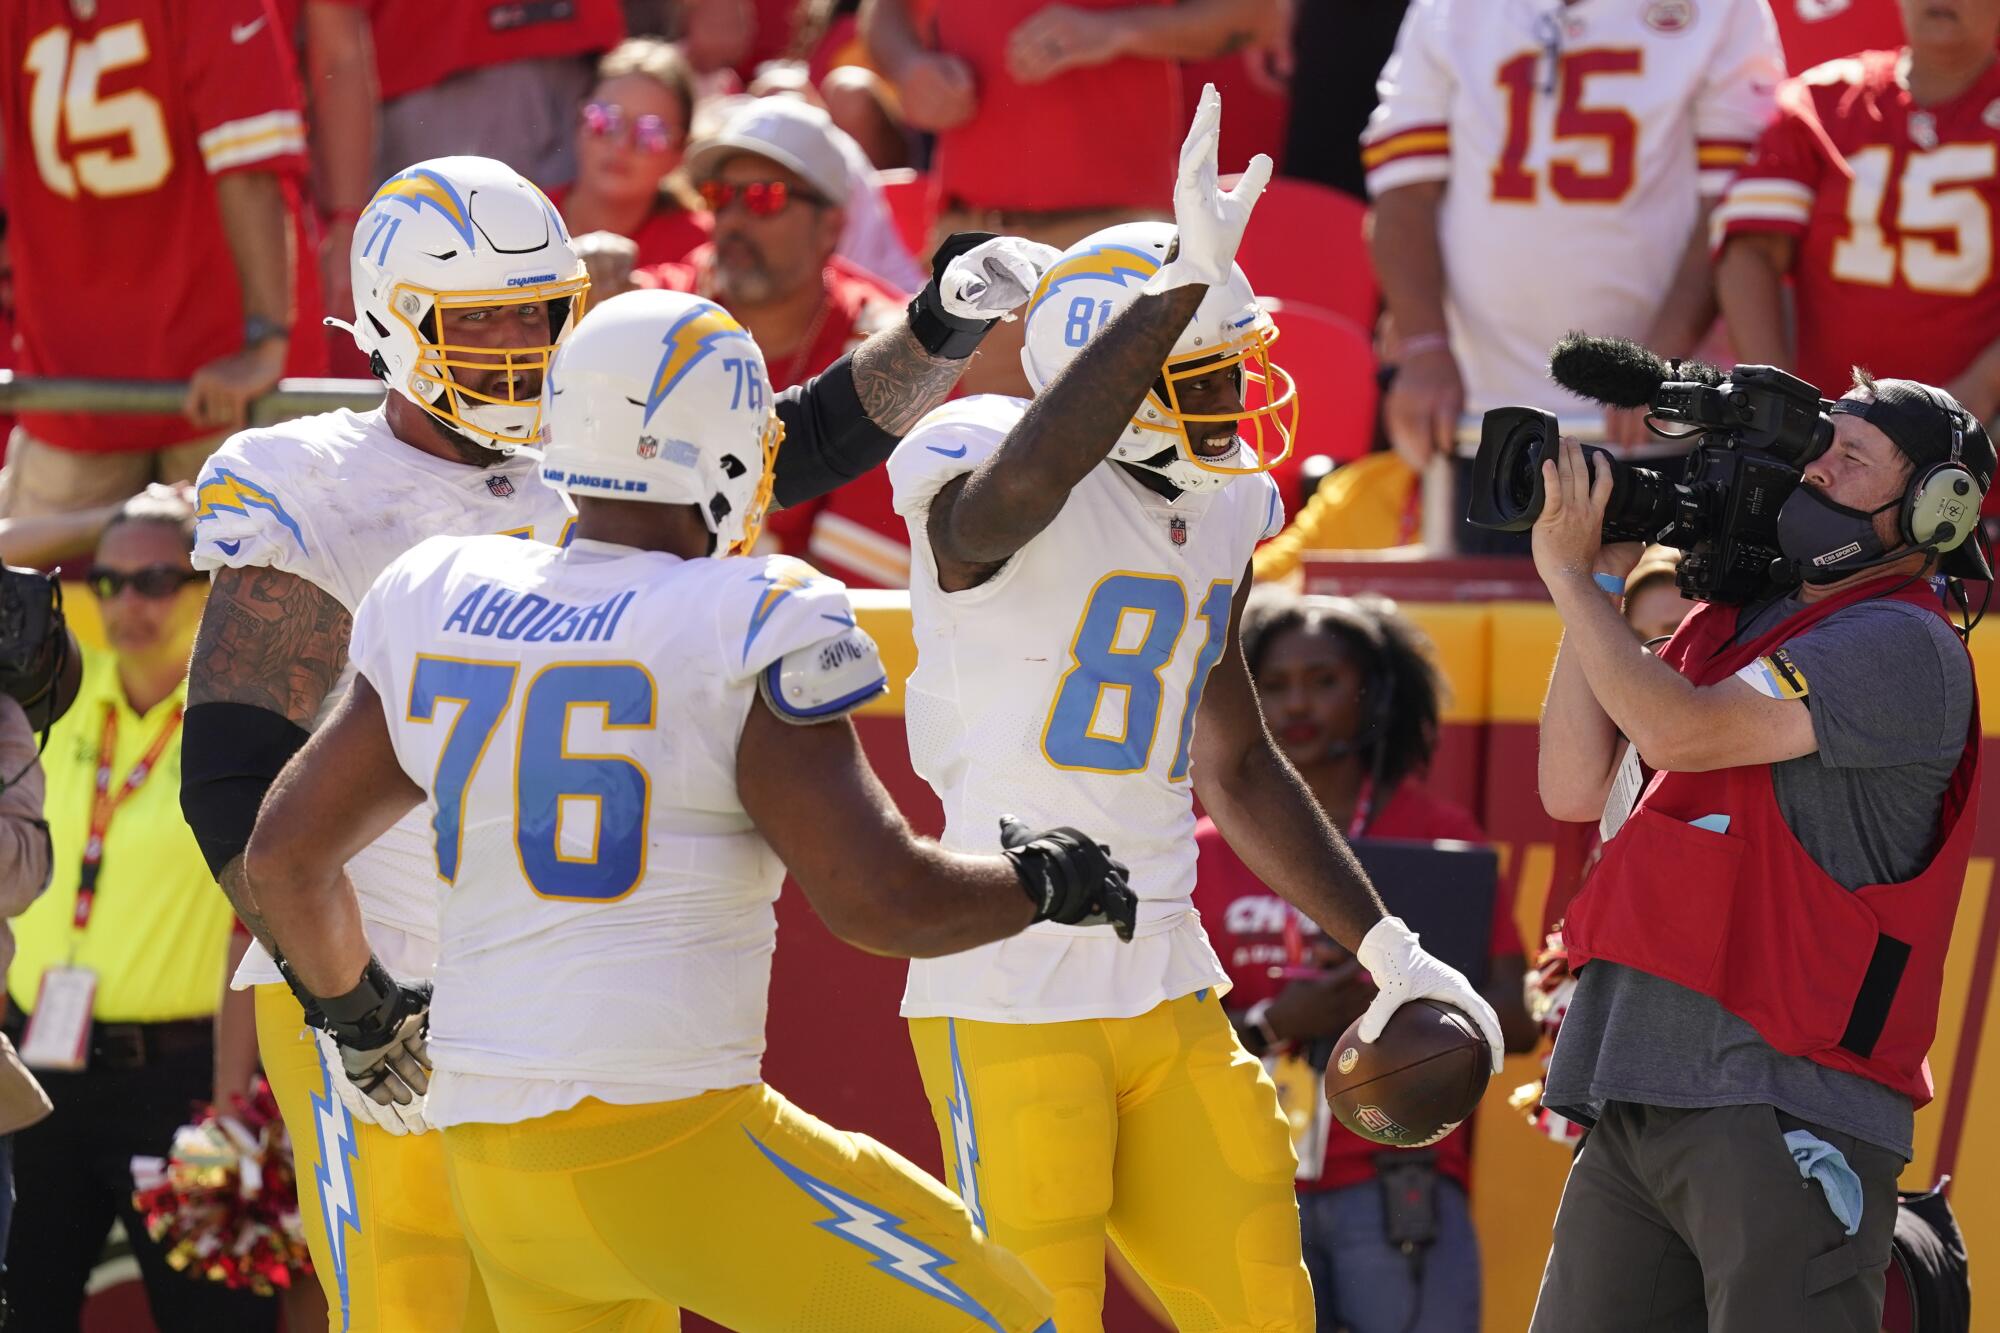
(225, 1202)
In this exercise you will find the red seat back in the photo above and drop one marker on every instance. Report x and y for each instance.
(1305, 244)
(1333, 363)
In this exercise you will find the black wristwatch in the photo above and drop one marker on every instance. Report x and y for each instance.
(257, 329)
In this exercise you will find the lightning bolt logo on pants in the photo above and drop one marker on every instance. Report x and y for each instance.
(965, 1143)
(879, 1233)
(335, 1129)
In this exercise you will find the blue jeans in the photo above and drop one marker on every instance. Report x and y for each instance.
(1363, 1284)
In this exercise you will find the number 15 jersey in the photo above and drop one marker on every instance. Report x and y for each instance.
(1575, 143)
(1890, 207)
(1064, 691)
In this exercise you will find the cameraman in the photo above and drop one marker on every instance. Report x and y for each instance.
(1749, 1043)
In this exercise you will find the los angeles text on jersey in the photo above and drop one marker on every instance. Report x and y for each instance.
(493, 612)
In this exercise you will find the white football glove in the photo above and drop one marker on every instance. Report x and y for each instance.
(1210, 221)
(1402, 972)
(993, 278)
(398, 1119)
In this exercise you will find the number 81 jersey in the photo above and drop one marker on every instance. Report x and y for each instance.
(1064, 690)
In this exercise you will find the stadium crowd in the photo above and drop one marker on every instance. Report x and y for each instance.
(1809, 184)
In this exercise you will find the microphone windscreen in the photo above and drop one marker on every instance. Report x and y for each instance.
(1616, 371)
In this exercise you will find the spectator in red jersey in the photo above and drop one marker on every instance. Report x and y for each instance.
(629, 138)
(1874, 193)
(778, 185)
(488, 78)
(1053, 120)
(1349, 690)
(157, 161)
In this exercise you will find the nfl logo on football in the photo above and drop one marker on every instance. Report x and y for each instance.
(500, 486)
(1177, 530)
(649, 447)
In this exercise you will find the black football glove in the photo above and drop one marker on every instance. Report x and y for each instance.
(1071, 879)
(382, 1027)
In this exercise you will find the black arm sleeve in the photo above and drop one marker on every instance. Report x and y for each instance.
(230, 756)
(829, 440)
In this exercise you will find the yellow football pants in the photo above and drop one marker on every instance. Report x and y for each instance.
(389, 1253)
(735, 1204)
(1160, 1130)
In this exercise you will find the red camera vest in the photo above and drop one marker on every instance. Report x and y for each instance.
(1850, 980)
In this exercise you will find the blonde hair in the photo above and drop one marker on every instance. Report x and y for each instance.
(657, 59)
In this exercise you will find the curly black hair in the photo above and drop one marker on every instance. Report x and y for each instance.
(1405, 692)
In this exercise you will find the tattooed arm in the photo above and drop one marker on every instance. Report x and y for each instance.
(269, 641)
(848, 418)
(979, 520)
(897, 381)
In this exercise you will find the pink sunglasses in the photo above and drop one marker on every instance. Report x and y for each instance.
(607, 120)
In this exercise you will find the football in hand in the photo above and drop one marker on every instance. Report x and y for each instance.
(1416, 1082)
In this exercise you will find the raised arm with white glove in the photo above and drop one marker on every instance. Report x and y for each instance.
(1210, 220)
(1402, 972)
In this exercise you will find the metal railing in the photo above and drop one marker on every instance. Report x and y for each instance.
(292, 397)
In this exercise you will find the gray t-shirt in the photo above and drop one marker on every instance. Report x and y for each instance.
(1890, 691)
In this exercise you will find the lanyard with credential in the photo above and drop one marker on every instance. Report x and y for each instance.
(104, 802)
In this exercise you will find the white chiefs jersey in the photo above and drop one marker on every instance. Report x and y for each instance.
(1063, 691)
(333, 499)
(573, 716)
(1576, 143)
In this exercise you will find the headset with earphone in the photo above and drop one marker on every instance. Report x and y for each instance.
(1941, 504)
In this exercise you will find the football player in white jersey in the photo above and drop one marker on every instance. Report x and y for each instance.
(624, 744)
(1082, 561)
(465, 282)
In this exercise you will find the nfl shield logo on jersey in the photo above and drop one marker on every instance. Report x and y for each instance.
(500, 486)
(649, 447)
(1177, 530)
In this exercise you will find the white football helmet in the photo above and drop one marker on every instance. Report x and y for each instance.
(462, 233)
(1101, 275)
(663, 396)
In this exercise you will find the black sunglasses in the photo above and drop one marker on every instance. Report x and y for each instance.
(154, 581)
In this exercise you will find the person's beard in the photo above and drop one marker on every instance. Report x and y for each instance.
(743, 277)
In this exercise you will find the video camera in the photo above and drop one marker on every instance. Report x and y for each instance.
(1754, 430)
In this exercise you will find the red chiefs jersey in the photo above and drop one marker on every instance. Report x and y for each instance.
(1103, 137)
(853, 533)
(420, 43)
(1246, 923)
(1892, 208)
(115, 125)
